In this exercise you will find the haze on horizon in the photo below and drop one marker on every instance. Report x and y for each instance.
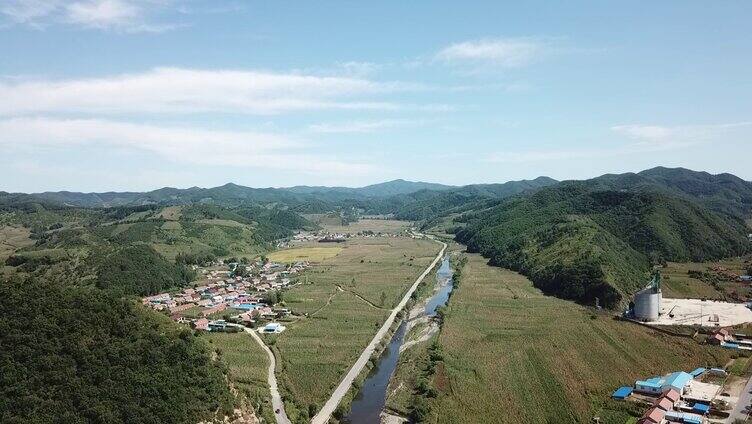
(134, 95)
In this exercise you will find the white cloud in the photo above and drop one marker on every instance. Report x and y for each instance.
(643, 139)
(184, 145)
(176, 90)
(504, 52)
(27, 11)
(359, 126)
(120, 15)
(656, 134)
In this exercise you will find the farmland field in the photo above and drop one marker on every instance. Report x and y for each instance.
(511, 354)
(346, 300)
(375, 225)
(311, 254)
(247, 364)
(13, 238)
(677, 283)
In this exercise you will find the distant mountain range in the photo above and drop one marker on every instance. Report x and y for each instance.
(232, 194)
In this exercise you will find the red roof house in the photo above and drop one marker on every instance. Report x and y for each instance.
(672, 395)
(654, 415)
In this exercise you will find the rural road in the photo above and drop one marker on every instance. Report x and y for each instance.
(741, 410)
(331, 404)
(277, 403)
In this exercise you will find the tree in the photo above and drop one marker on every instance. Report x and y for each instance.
(241, 271)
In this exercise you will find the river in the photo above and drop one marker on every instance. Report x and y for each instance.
(369, 402)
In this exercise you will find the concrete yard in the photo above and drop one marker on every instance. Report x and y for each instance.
(698, 312)
(701, 392)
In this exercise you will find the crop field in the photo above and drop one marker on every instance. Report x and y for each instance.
(13, 238)
(390, 226)
(311, 254)
(247, 364)
(345, 300)
(677, 283)
(514, 355)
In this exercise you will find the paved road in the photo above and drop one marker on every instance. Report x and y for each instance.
(331, 404)
(277, 403)
(741, 410)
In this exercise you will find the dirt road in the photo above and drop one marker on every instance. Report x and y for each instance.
(277, 403)
(332, 403)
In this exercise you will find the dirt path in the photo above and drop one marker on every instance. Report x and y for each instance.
(356, 294)
(277, 403)
(328, 301)
(331, 404)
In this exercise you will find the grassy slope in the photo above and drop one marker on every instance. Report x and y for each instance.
(316, 351)
(247, 364)
(579, 243)
(541, 359)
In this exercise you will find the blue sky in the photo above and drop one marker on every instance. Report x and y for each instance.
(100, 95)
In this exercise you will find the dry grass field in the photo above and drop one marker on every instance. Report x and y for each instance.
(13, 238)
(390, 226)
(677, 283)
(514, 355)
(343, 303)
(311, 254)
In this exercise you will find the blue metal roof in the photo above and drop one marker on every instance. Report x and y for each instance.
(678, 380)
(654, 382)
(698, 372)
(622, 392)
(701, 408)
(684, 417)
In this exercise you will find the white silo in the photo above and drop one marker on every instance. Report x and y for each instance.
(647, 302)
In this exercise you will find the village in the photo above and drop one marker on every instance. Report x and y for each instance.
(235, 294)
(718, 394)
(231, 296)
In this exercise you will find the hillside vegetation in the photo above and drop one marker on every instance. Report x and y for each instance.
(579, 242)
(75, 345)
(74, 354)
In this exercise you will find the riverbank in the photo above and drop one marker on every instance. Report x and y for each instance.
(342, 389)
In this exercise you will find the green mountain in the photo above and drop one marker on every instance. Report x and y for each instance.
(598, 238)
(77, 346)
(425, 205)
(233, 194)
(75, 354)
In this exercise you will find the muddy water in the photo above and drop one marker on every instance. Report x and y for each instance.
(369, 402)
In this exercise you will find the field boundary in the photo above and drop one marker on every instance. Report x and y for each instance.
(331, 404)
(277, 403)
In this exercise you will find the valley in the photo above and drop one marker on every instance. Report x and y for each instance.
(319, 282)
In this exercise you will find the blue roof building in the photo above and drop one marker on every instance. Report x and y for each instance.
(622, 393)
(677, 381)
(652, 385)
(657, 385)
(698, 372)
(701, 408)
(684, 417)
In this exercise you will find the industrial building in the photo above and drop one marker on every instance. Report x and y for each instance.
(657, 385)
(647, 302)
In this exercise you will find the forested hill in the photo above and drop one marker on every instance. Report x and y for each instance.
(425, 205)
(77, 347)
(393, 194)
(232, 195)
(598, 238)
(723, 193)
